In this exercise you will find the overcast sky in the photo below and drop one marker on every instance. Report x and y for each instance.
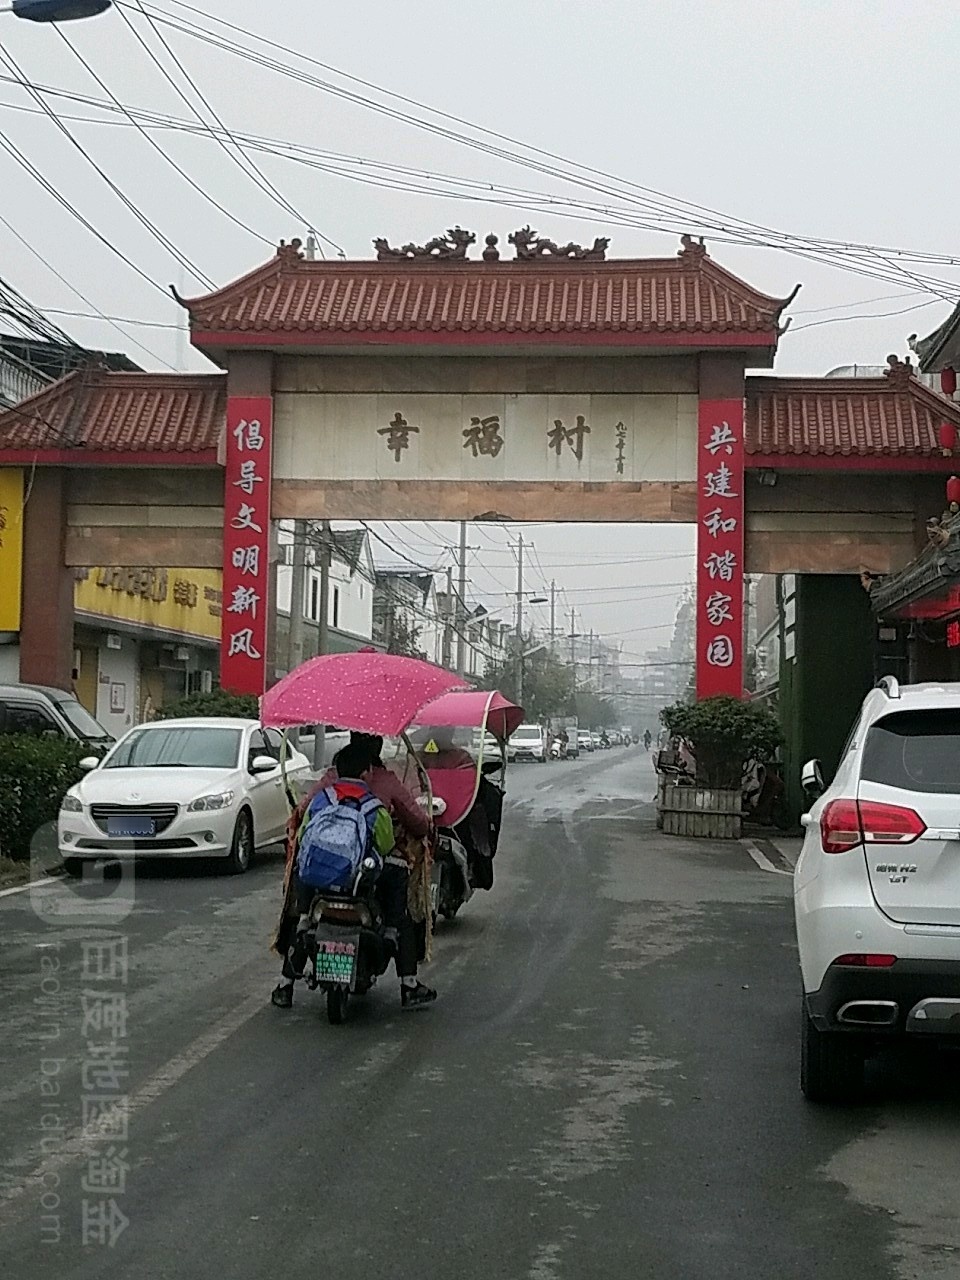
(831, 120)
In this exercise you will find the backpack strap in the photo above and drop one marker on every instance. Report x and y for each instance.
(371, 805)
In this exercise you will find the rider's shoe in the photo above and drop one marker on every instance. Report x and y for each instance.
(416, 997)
(282, 995)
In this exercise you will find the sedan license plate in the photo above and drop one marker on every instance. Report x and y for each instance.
(131, 825)
(337, 961)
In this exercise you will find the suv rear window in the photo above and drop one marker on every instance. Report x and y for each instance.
(915, 751)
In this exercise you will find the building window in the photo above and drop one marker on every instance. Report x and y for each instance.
(314, 600)
(336, 606)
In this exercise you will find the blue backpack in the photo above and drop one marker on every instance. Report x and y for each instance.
(336, 836)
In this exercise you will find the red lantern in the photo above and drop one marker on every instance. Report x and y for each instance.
(947, 435)
(948, 381)
(953, 493)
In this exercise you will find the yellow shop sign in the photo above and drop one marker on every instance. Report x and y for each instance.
(186, 601)
(11, 547)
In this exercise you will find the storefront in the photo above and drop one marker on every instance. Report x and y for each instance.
(143, 638)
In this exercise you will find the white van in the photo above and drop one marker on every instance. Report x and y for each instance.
(530, 743)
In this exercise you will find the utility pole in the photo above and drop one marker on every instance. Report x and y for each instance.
(448, 621)
(323, 633)
(520, 619)
(461, 634)
(294, 653)
(573, 644)
(553, 617)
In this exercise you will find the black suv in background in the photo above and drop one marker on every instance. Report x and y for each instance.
(34, 709)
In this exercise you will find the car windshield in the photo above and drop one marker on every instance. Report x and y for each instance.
(80, 719)
(528, 733)
(177, 747)
(915, 751)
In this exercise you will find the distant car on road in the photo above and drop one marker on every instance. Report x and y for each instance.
(49, 713)
(190, 788)
(585, 740)
(877, 889)
(491, 747)
(530, 743)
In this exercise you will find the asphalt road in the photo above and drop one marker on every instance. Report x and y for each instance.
(607, 1086)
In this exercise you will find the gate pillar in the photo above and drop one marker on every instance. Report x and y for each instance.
(720, 529)
(46, 625)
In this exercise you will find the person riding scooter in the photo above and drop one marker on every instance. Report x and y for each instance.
(360, 761)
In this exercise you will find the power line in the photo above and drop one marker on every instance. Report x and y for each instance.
(156, 146)
(862, 258)
(97, 315)
(869, 315)
(121, 195)
(35, 173)
(83, 298)
(240, 158)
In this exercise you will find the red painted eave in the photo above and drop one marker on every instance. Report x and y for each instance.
(621, 341)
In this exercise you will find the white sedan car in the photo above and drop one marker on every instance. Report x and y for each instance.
(191, 788)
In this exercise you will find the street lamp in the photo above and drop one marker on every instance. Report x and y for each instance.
(56, 10)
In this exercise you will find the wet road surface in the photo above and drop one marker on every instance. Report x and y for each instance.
(607, 1086)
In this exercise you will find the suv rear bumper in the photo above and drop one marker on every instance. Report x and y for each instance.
(912, 997)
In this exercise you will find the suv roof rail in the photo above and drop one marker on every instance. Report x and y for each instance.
(890, 685)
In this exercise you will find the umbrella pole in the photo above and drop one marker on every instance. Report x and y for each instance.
(425, 878)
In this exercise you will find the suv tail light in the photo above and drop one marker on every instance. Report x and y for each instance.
(844, 824)
(867, 960)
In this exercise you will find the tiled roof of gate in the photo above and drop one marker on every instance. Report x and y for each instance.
(687, 295)
(103, 412)
(891, 416)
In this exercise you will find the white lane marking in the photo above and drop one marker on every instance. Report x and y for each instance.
(77, 1145)
(761, 859)
(789, 853)
(31, 884)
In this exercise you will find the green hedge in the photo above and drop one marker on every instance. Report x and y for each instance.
(217, 703)
(35, 774)
(724, 734)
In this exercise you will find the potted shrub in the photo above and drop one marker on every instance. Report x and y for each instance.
(724, 734)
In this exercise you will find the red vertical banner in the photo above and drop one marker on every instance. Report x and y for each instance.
(246, 544)
(720, 548)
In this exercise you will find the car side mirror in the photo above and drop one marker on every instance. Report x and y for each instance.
(263, 764)
(811, 778)
(89, 763)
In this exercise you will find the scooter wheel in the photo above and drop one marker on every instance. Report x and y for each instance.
(337, 998)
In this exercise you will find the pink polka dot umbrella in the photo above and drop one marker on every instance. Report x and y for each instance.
(368, 691)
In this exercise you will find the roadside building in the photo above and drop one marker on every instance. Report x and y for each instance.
(143, 638)
(408, 616)
(27, 365)
(350, 601)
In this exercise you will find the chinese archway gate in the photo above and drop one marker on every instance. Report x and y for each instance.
(553, 386)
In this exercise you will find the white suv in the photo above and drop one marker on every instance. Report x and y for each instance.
(877, 888)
